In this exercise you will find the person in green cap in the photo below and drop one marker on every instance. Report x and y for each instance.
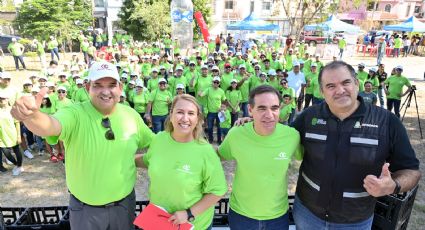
(100, 149)
(17, 50)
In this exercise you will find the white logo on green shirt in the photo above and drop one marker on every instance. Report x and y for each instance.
(185, 168)
(281, 156)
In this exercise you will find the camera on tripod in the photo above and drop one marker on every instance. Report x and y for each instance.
(413, 87)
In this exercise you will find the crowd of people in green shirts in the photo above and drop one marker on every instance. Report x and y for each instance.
(220, 81)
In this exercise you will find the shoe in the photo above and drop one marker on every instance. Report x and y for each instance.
(3, 169)
(53, 159)
(60, 157)
(17, 170)
(28, 154)
(41, 152)
(9, 162)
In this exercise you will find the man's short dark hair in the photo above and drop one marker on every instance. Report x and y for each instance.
(260, 90)
(336, 65)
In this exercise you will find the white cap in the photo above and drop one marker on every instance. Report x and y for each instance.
(296, 63)
(6, 75)
(62, 88)
(50, 84)
(79, 81)
(81, 63)
(242, 66)
(238, 54)
(124, 75)
(216, 79)
(50, 71)
(254, 61)
(162, 80)
(62, 74)
(35, 89)
(180, 86)
(76, 75)
(4, 94)
(317, 55)
(272, 72)
(373, 69)
(75, 68)
(101, 70)
(154, 70)
(204, 67)
(234, 80)
(161, 67)
(397, 67)
(179, 68)
(215, 68)
(314, 64)
(139, 84)
(264, 74)
(362, 64)
(42, 77)
(301, 61)
(27, 82)
(154, 57)
(132, 82)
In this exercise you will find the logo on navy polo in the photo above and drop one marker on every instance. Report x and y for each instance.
(316, 121)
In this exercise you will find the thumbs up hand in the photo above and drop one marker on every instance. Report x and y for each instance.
(382, 185)
(26, 106)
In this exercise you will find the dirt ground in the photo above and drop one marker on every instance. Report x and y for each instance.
(43, 183)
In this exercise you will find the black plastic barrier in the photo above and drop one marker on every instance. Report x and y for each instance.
(391, 213)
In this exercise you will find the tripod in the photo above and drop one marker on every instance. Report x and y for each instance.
(408, 100)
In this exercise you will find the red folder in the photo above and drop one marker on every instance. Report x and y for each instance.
(154, 217)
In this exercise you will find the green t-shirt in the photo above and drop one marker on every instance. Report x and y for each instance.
(227, 122)
(60, 104)
(81, 95)
(289, 91)
(226, 78)
(174, 81)
(167, 43)
(85, 46)
(362, 75)
(100, 171)
(342, 43)
(160, 100)
(398, 43)
(40, 49)
(234, 97)
(314, 83)
(261, 168)
(214, 99)
(395, 86)
(52, 44)
(284, 113)
(140, 101)
(244, 88)
(153, 84)
(16, 48)
(8, 133)
(201, 84)
(309, 77)
(181, 177)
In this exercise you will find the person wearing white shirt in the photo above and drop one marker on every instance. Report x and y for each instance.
(296, 80)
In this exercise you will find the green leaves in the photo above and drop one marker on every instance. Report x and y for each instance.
(43, 18)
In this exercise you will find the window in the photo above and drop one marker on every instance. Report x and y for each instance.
(228, 5)
(417, 9)
(267, 5)
(370, 5)
(388, 8)
(99, 3)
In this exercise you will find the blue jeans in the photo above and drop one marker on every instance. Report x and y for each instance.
(244, 108)
(394, 103)
(211, 117)
(53, 52)
(21, 60)
(40, 142)
(379, 58)
(158, 123)
(396, 52)
(28, 134)
(240, 222)
(306, 220)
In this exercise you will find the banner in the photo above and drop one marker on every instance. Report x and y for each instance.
(201, 23)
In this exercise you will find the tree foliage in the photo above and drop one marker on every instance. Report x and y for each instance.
(61, 18)
(303, 12)
(148, 20)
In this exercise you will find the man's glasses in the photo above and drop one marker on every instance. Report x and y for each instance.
(162, 83)
(61, 91)
(106, 123)
(216, 82)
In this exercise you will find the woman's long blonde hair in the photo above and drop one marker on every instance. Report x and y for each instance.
(198, 132)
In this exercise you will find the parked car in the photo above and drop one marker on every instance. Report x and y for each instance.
(317, 37)
(5, 40)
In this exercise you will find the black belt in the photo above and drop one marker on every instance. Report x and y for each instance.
(112, 204)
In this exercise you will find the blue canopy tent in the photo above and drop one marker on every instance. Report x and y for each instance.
(252, 23)
(332, 24)
(412, 24)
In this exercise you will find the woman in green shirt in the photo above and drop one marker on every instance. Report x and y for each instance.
(53, 45)
(140, 100)
(186, 176)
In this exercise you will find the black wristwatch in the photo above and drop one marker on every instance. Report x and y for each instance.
(190, 216)
(397, 187)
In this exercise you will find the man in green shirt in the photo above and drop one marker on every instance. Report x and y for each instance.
(52, 45)
(341, 45)
(167, 44)
(263, 150)
(101, 138)
(393, 87)
(39, 46)
(157, 108)
(17, 51)
(398, 43)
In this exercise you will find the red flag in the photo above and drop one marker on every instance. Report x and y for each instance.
(156, 218)
(201, 23)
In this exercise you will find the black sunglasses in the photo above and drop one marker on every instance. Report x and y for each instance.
(106, 123)
(216, 82)
(61, 91)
